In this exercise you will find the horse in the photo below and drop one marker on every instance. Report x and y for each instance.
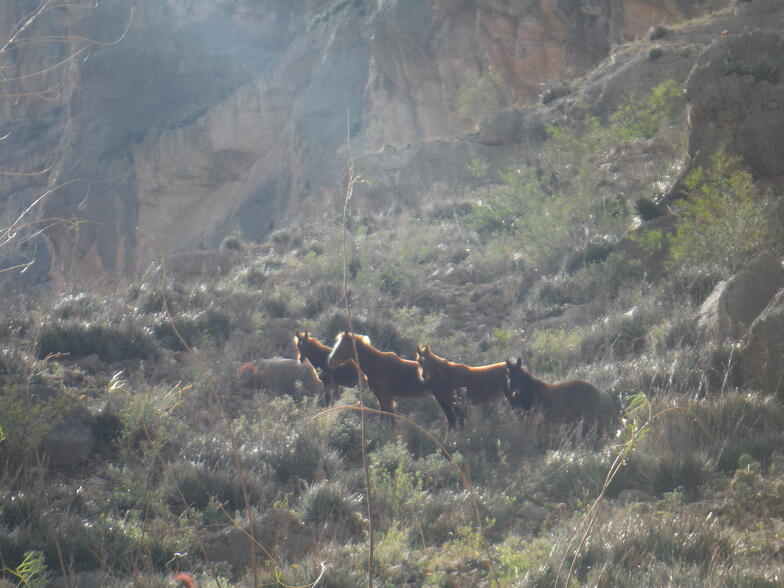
(483, 384)
(388, 374)
(312, 350)
(564, 402)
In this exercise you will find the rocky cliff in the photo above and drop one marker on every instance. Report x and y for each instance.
(165, 125)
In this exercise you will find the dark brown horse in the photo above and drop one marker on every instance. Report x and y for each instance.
(563, 402)
(388, 374)
(482, 384)
(312, 350)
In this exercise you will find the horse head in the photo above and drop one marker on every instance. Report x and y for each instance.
(300, 342)
(422, 355)
(519, 384)
(343, 350)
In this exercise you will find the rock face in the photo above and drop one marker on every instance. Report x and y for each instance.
(735, 93)
(171, 123)
(762, 357)
(734, 303)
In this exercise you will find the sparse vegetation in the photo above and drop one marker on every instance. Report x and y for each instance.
(186, 462)
(724, 219)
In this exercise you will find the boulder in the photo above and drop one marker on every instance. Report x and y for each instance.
(734, 303)
(280, 375)
(762, 352)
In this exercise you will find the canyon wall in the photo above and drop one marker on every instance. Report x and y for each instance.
(166, 125)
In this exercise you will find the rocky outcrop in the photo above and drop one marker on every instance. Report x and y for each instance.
(170, 123)
(762, 355)
(735, 94)
(734, 303)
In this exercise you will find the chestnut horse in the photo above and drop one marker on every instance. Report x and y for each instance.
(346, 374)
(563, 402)
(388, 374)
(483, 384)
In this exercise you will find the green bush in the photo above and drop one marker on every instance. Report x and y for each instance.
(479, 98)
(25, 424)
(554, 350)
(329, 504)
(194, 485)
(644, 117)
(723, 222)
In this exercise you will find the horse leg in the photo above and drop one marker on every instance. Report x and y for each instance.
(446, 402)
(461, 415)
(387, 404)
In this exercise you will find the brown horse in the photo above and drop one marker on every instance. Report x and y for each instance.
(483, 384)
(563, 402)
(312, 350)
(388, 374)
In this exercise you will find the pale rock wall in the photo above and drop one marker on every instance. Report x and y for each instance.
(211, 117)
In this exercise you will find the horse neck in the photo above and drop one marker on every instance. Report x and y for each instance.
(372, 360)
(534, 384)
(366, 353)
(317, 353)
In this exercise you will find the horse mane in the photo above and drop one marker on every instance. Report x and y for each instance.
(361, 338)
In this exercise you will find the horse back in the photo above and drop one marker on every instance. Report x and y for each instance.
(403, 377)
(484, 383)
(577, 399)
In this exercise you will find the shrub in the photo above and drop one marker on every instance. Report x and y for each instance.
(297, 458)
(723, 223)
(206, 327)
(657, 32)
(77, 306)
(763, 68)
(647, 209)
(330, 505)
(194, 485)
(276, 305)
(111, 342)
(554, 350)
(232, 244)
(479, 98)
(643, 118)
